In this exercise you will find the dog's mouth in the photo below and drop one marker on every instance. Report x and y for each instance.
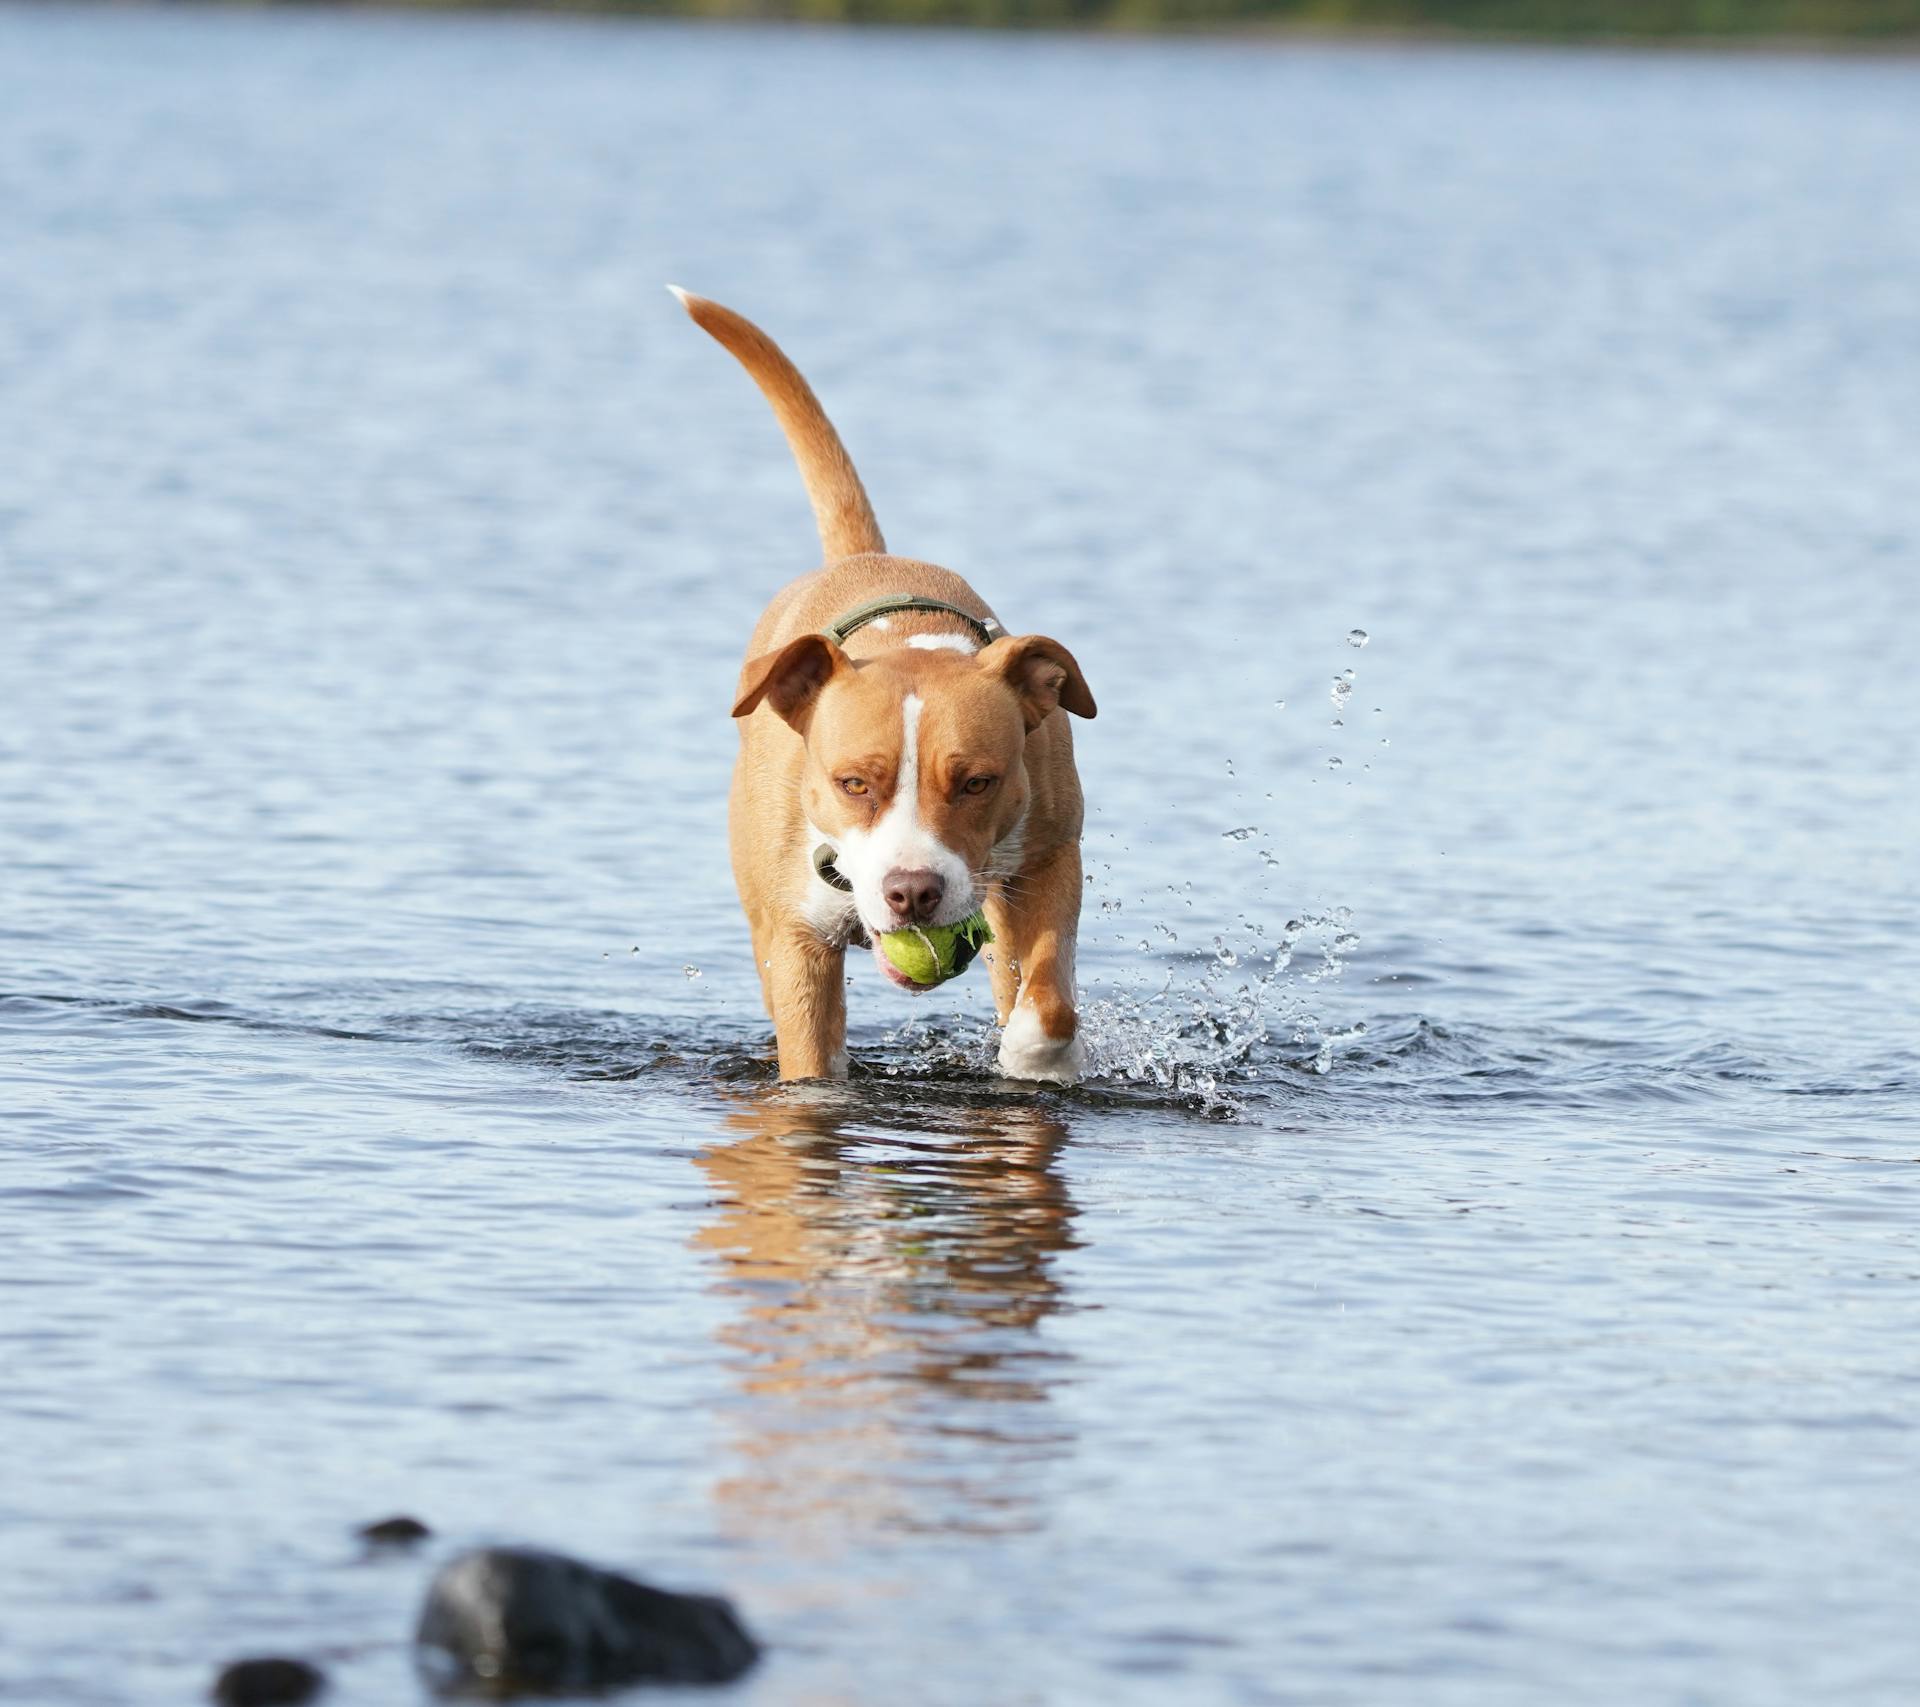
(864, 933)
(895, 976)
(955, 959)
(865, 936)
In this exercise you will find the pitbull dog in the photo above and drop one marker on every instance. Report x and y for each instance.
(903, 761)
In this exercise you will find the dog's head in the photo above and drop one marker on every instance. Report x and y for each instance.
(915, 767)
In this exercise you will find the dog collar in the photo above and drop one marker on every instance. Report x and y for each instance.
(858, 618)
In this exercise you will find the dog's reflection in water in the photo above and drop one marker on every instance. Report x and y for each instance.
(891, 1274)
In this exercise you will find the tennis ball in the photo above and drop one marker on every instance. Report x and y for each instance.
(931, 954)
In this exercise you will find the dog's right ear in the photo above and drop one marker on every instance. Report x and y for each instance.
(790, 680)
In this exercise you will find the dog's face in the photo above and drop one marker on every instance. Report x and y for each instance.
(915, 767)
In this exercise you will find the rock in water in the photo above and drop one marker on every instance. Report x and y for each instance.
(268, 1683)
(395, 1532)
(511, 1618)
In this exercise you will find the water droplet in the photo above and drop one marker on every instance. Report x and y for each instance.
(1239, 835)
(1342, 690)
(1334, 764)
(1280, 705)
(1357, 637)
(691, 971)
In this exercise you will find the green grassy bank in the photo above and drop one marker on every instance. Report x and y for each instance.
(1810, 21)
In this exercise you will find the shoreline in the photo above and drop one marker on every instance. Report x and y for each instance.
(1277, 30)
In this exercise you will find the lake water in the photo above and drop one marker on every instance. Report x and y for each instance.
(1484, 1267)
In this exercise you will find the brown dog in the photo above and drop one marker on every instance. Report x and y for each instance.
(902, 762)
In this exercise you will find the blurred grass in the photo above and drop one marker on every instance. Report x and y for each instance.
(1650, 20)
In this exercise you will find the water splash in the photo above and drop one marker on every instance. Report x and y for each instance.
(1212, 1031)
(1217, 1025)
(1217, 1030)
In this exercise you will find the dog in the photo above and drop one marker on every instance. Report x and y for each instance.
(904, 761)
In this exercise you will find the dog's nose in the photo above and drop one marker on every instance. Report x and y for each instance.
(913, 896)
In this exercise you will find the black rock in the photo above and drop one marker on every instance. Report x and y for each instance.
(268, 1683)
(395, 1532)
(509, 1619)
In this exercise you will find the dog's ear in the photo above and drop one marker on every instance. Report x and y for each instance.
(790, 680)
(1041, 673)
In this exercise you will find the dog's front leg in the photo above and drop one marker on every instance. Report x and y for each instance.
(1036, 917)
(806, 985)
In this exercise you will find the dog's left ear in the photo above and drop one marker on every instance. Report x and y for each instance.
(790, 680)
(1041, 673)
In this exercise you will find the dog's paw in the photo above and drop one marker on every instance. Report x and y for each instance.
(1027, 1052)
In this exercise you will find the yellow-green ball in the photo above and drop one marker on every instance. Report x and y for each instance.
(931, 954)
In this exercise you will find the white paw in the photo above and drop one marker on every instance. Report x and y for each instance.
(1027, 1052)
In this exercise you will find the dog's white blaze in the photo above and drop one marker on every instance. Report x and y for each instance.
(942, 642)
(900, 842)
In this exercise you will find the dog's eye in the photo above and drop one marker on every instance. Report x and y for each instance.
(852, 785)
(977, 784)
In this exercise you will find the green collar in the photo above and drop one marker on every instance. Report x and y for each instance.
(858, 618)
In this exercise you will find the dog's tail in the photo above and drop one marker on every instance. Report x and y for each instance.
(840, 505)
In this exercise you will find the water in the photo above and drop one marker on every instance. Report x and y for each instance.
(1484, 1269)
